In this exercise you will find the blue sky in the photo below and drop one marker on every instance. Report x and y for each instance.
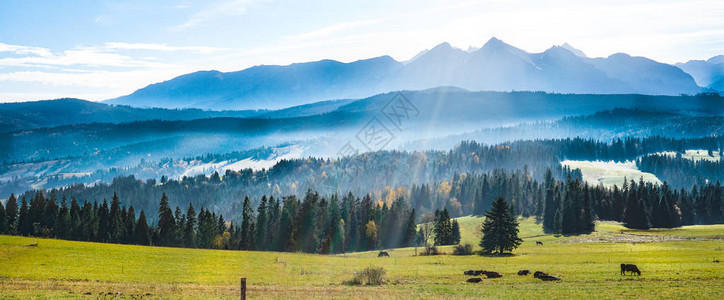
(97, 50)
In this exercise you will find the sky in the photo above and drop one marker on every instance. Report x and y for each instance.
(100, 49)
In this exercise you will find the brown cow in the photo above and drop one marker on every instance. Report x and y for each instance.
(630, 268)
(491, 274)
(523, 272)
(474, 280)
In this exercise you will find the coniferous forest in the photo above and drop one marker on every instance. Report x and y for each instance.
(333, 223)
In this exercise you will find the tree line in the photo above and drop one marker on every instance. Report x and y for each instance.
(314, 224)
(683, 172)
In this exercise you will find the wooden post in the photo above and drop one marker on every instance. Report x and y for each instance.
(242, 296)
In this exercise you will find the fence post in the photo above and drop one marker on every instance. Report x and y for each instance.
(242, 295)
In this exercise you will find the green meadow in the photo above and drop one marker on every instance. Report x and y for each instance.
(676, 264)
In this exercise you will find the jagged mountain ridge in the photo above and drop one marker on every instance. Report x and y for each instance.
(496, 66)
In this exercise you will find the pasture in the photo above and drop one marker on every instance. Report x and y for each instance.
(609, 173)
(695, 154)
(678, 267)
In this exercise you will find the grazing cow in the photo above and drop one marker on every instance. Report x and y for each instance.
(630, 268)
(538, 243)
(523, 272)
(471, 273)
(491, 274)
(538, 274)
(474, 280)
(383, 254)
(549, 278)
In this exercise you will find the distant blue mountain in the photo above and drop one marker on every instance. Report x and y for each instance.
(708, 73)
(496, 66)
(267, 87)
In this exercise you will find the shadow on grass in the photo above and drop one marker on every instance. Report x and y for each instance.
(496, 254)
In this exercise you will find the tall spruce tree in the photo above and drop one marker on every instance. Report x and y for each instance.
(410, 230)
(3, 219)
(247, 215)
(166, 223)
(129, 230)
(63, 227)
(455, 233)
(442, 228)
(190, 229)
(261, 225)
(634, 214)
(25, 224)
(500, 229)
(550, 203)
(115, 222)
(11, 211)
(143, 233)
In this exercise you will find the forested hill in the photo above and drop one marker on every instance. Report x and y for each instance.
(437, 112)
(51, 113)
(362, 174)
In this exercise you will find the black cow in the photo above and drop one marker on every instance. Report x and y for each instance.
(538, 274)
(475, 280)
(538, 243)
(491, 274)
(549, 278)
(383, 254)
(474, 272)
(523, 272)
(630, 268)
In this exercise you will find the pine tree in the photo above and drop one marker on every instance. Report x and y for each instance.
(129, 226)
(11, 211)
(143, 233)
(115, 222)
(442, 228)
(189, 230)
(63, 227)
(247, 215)
(550, 205)
(3, 219)
(102, 218)
(634, 214)
(178, 229)
(25, 225)
(261, 221)
(410, 230)
(500, 229)
(166, 223)
(455, 234)
(287, 230)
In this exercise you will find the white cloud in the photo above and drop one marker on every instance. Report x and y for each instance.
(90, 57)
(108, 84)
(24, 50)
(225, 8)
(159, 47)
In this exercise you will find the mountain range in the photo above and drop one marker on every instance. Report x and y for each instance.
(708, 73)
(496, 66)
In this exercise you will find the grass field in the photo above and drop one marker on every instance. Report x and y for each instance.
(672, 268)
(697, 154)
(609, 173)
